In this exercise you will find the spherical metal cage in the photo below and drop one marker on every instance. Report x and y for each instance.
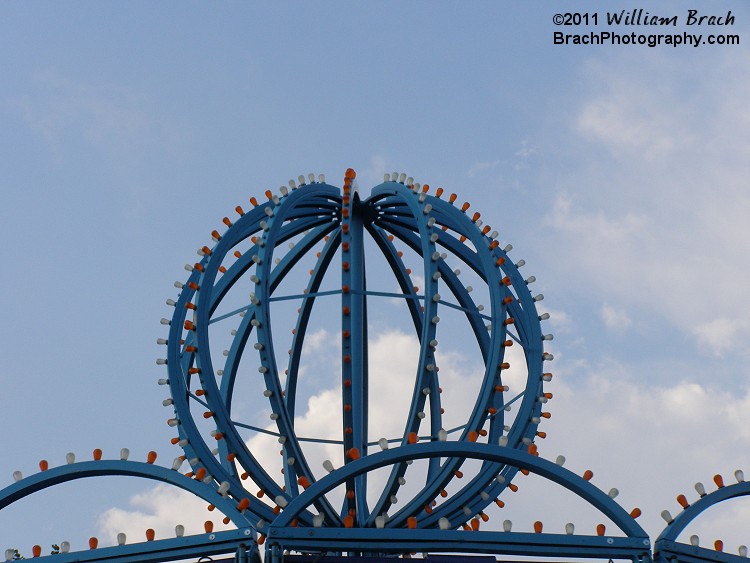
(275, 242)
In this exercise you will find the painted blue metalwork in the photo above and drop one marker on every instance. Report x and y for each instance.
(297, 513)
(111, 467)
(666, 546)
(241, 542)
(467, 450)
(393, 211)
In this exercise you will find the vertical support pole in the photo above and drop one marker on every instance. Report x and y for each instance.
(353, 349)
(360, 382)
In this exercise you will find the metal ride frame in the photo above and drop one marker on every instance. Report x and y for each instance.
(299, 516)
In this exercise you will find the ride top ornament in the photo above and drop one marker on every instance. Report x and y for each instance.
(359, 503)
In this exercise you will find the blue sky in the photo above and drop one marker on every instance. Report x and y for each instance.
(618, 173)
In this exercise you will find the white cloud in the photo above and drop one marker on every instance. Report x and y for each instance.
(525, 151)
(615, 319)
(480, 166)
(161, 508)
(315, 340)
(656, 220)
(652, 443)
(373, 173)
(104, 117)
(560, 320)
(719, 334)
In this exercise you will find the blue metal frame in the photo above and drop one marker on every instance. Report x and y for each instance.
(299, 515)
(666, 546)
(393, 211)
(393, 538)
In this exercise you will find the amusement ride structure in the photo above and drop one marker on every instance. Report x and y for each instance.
(357, 503)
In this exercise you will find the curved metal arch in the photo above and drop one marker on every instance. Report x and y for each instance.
(207, 301)
(676, 526)
(101, 468)
(482, 261)
(666, 546)
(539, 466)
